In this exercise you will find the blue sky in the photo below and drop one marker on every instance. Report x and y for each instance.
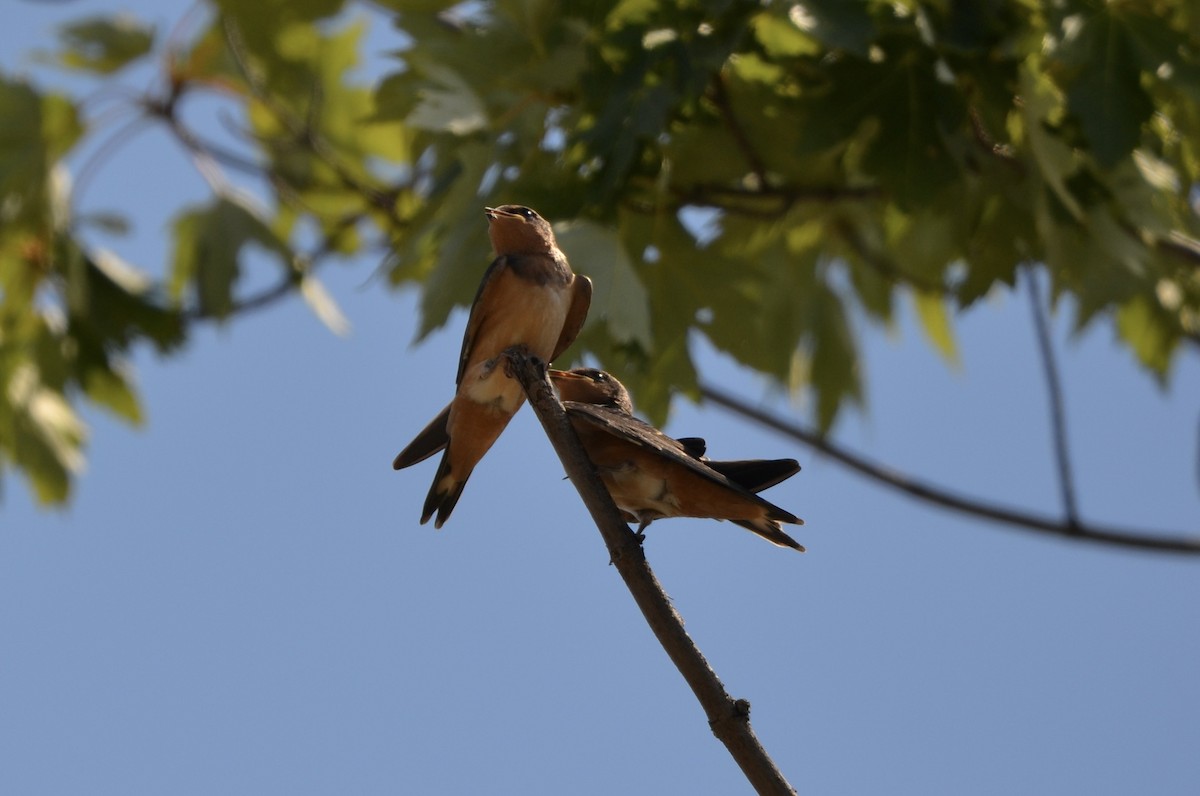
(240, 599)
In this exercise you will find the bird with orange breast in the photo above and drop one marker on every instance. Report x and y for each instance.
(528, 297)
(652, 476)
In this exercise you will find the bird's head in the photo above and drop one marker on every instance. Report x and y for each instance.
(516, 229)
(591, 386)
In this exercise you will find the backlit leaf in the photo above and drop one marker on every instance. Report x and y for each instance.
(209, 244)
(323, 306)
(1102, 81)
(1056, 159)
(446, 103)
(619, 298)
(781, 37)
(35, 130)
(833, 360)
(1150, 332)
(935, 320)
(104, 44)
(111, 389)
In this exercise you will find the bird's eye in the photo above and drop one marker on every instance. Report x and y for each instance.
(525, 211)
(601, 376)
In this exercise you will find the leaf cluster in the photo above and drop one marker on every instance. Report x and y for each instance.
(761, 174)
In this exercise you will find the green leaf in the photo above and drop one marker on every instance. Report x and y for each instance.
(1056, 159)
(1099, 262)
(837, 24)
(209, 244)
(47, 435)
(454, 252)
(118, 306)
(1164, 49)
(446, 103)
(619, 298)
(111, 389)
(781, 37)
(264, 18)
(997, 241)
(1102, 81)
(896, 110)
(935, 320)
(678, 285)
(1150, 332)
(35, 130)
(104, 44)
(61, 126)
(755, 316)
(419, 6)
(396, 96)
(927, 240)
(833, 357)
(632, 12)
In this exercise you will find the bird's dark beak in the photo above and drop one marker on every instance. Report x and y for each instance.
(565, 375)
(494, 213)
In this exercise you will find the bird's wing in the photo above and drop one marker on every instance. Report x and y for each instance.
(432, 439)
(756, 474)
(476, 318)
(695, 446)
(581, 301)
(644, 435)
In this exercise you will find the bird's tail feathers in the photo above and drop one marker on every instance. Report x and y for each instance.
(433, 438)
(772, 532)
(443, 494)
(756, 474)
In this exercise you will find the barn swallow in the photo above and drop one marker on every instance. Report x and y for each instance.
(529, 296)
(652, 476)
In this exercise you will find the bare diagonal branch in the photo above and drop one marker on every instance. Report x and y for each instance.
(729, 718)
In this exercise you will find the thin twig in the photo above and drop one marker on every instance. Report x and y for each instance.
(192, 142)
(930, 493)
(765, 202)
(304, 266)
(1058, 421)
(104, 151)
(729, 718)
(1181, 246)
(720, 98)
(1002, 152)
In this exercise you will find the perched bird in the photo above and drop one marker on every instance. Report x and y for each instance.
(651, 476)
(529, 296)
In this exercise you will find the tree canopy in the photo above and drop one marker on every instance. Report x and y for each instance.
(757, 173)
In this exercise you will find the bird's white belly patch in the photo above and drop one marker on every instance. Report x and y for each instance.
(491, 387)
(635, 491)
(535, 321)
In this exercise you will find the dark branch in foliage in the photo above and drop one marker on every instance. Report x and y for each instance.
(719, 94)
(1182, 247)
